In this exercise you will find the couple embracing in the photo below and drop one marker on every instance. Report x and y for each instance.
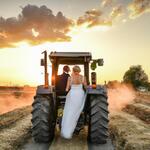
(75, 100)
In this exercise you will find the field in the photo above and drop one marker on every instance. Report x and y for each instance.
(130, 128)
(129, 124)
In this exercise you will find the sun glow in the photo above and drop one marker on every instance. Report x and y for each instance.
(22, 44)
(84, 28)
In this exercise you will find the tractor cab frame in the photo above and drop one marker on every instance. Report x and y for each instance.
(70, 58)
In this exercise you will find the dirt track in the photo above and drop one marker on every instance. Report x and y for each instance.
(127, 131)
(78, 142)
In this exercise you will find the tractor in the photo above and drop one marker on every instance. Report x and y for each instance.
(48, 103)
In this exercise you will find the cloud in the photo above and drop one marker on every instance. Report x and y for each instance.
(89, 17)
(35, 25)
(138, 7)
(96, 17)
(38, 24)
(106, 3)
(93, 18)
(116, 11)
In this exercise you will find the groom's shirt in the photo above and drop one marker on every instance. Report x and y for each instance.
(61, 83)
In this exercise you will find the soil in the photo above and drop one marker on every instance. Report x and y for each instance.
(78, 142)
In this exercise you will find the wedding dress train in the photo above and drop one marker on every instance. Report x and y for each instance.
(75, 100)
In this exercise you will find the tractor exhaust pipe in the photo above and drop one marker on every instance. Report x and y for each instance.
(44, 63)
(93, 80)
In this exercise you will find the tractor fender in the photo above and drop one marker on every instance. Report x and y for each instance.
(99, 90)
(42, 90)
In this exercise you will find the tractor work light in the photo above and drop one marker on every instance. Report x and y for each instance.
(100, 62)
(95, 62)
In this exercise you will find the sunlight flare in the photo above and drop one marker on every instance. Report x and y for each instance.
(35, 33)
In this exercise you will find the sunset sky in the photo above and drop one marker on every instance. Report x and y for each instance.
(116, 30)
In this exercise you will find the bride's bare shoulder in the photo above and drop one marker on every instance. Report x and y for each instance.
(81, 75)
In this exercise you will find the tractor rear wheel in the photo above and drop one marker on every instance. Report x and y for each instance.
(43, 119)
(98, 120)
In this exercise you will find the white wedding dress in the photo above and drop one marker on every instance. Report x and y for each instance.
(75, 100)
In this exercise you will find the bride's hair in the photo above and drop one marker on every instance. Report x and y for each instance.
(76, 69)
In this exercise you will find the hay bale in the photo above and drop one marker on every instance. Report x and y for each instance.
(141, 111)
(14, 136)
(128, 132)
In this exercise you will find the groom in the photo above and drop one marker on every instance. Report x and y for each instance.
(61, 81)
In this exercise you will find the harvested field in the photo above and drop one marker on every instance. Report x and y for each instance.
(139, 110)
(14, 136)
(14, 128)
(11, 117)
(128, 132)
(143, 98)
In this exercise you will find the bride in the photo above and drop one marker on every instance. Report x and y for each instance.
(75, 100)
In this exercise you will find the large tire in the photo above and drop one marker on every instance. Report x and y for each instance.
(98, 120)
(43, 119)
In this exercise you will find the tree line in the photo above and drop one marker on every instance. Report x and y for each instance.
(136, 76)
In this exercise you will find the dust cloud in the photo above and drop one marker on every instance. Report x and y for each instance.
(119, 95)
(11, 101)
